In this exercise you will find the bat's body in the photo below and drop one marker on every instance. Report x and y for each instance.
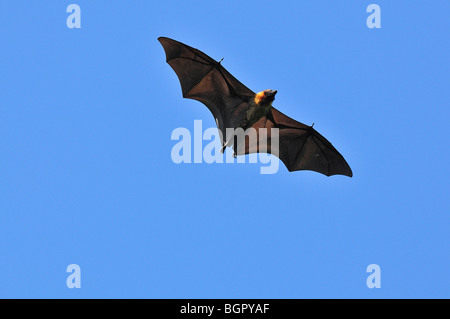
(259, 108)
(236, 106)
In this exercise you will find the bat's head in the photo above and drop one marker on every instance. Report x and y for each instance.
(265, 97)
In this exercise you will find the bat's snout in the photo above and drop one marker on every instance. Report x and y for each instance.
(270, 94)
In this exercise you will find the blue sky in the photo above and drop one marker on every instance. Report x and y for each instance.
(86, 175)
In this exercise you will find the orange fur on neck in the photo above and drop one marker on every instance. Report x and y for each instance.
(258, 97)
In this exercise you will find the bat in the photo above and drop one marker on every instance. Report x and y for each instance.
(233, 105)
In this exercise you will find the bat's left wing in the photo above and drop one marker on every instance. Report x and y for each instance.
(206, 80)
(300, 147)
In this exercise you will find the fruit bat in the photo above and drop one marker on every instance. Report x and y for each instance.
(233, 105)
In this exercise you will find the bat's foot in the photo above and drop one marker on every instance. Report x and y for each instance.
(224, 146)
(234, 155)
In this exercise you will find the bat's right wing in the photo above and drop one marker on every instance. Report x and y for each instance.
(206, 80)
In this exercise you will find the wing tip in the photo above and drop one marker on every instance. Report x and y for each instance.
(163, 38)
(350, 174)
(165, 41)
(348, 171)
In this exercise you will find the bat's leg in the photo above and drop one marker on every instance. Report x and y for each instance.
(225, 145)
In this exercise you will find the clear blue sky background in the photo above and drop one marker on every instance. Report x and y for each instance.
(86, 175)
